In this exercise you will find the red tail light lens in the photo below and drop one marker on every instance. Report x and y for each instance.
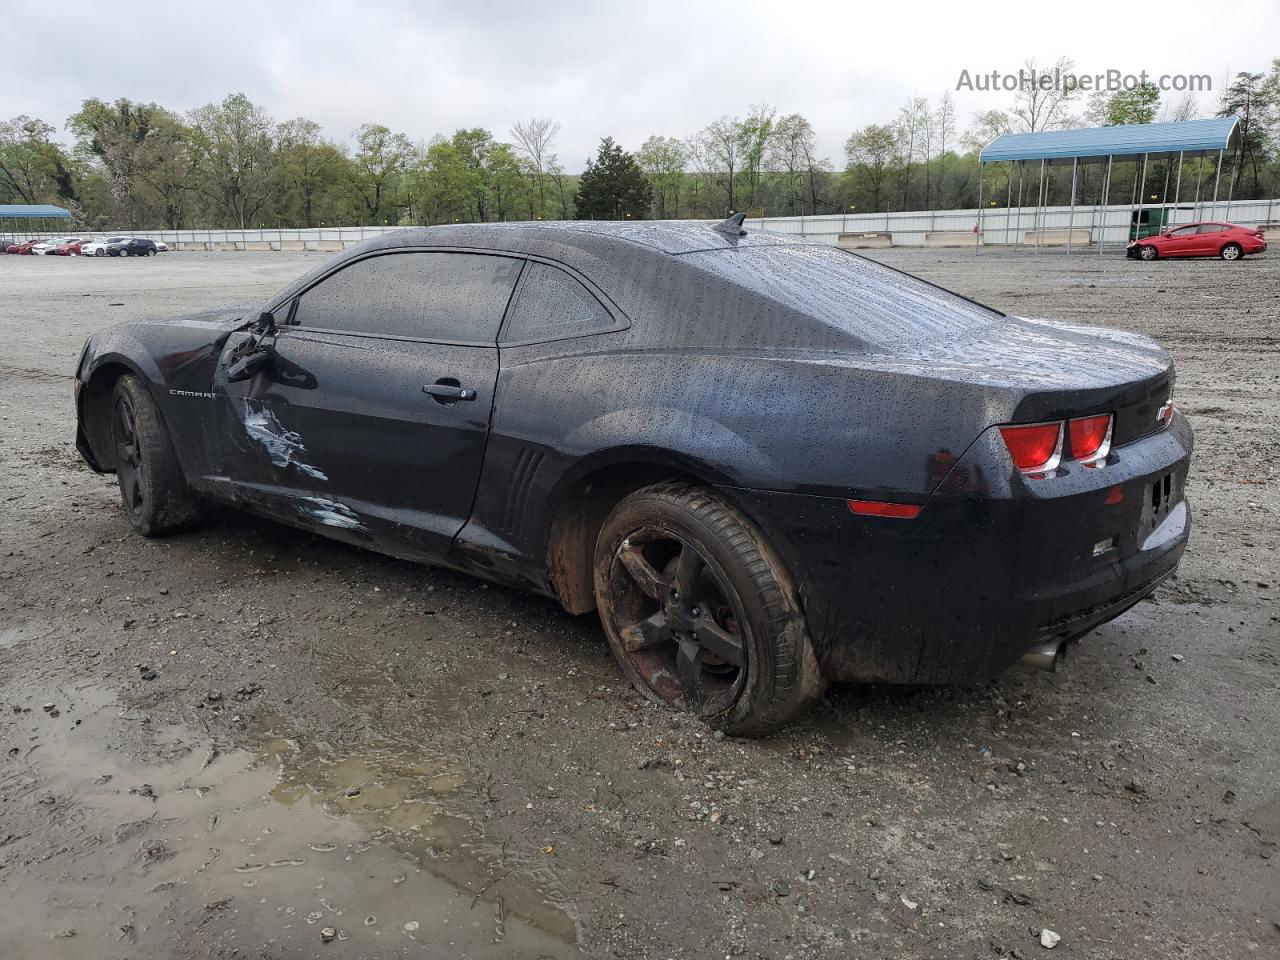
(1090, 438)
(882, 508)
(1035, 448)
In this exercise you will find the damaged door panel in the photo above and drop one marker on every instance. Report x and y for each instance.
(362, 422)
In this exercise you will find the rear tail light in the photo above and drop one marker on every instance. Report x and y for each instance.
(1090, 438)
(1036, 448)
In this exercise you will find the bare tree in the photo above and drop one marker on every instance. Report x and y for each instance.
(721, 143)
(535, 138)
(910, 117)
(791, 153)
(1043, 102)
(755, 134)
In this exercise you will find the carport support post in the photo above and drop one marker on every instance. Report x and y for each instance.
(1017, 231)
(1231, 188)
(1195, 213)
(1106, 198)
(1008, 204)
(1177, 187)
(977, 233)
(1071, 217)
(1216, 177)
(1040, 192)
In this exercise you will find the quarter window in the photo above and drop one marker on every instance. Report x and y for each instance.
(450, 297)
(553, 305)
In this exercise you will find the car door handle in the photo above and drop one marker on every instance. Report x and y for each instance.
(446, 391)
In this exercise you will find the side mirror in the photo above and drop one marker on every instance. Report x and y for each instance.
(265, 324)
(248, 365)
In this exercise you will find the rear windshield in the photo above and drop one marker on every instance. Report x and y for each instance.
(880, 306)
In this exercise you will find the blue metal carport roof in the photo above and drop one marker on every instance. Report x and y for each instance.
(32, 211)
(1187, 136)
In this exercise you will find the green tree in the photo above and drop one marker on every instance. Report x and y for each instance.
(613, 187)
(235, 158)
(167, 167)
(310, 167)
(1247, 97)
(662, 159)
(870, 154)
(116, 134)
(1139, 105)
(381, 157)
(33, 169)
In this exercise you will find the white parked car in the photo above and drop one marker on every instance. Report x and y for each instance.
(98, 248)
(161, 246)
(46, 246)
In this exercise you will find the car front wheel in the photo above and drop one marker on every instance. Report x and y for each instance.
(1148, 252)
(1231, 251)
(153, 488)
(700, 612)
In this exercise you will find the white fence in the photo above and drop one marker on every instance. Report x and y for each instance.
(1086, 225)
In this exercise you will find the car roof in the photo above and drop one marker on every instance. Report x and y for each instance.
(665, 236)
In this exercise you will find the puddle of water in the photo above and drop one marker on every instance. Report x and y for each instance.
(248, 849)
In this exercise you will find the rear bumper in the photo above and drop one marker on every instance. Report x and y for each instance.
(993, 564)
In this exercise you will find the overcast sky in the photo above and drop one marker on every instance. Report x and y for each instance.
(623, 69)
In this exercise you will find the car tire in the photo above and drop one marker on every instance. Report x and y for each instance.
(685, 586)
(1148, 252)
(153, 489)
(99, 252)
(1231, 251)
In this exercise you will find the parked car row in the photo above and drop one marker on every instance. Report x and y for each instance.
(82, 247)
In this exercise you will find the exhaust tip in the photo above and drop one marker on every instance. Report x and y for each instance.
(1046, 656)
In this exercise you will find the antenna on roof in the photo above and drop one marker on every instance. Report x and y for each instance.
(733, 226)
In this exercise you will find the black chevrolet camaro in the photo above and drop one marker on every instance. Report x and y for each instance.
(767, 463)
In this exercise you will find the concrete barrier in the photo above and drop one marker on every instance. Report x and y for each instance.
(952, 238)
(1270, 232)
(864, 241)
(1056, 238)
(190, 245)
(256, 245)
(293, 245)
(329, 245)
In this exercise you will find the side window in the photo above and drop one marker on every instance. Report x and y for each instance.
(1212, 228)
(431, 296)
(553, 305)
(1183, 232)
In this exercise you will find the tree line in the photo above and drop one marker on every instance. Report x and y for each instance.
(230, 164)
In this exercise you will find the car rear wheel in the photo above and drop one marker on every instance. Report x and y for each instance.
(1148, 252)
(700, 613)
(99, 252)
(1231, 251)
(153, 489)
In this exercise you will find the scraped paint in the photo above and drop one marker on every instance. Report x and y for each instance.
(331, 513)
(282, 445)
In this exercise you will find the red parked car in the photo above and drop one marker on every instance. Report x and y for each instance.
(22, 246)
(1211, 239)
(69, 248)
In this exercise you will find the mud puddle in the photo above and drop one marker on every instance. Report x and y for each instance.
(263, 844)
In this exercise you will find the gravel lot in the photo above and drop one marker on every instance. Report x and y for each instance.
(260, 740)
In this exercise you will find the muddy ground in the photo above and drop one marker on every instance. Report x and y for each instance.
(245, 740)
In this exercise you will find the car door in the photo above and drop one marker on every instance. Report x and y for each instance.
(372, 418)
(1180, 242)
(1209, 239)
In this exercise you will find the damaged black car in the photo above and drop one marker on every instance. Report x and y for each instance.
(766, 463)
